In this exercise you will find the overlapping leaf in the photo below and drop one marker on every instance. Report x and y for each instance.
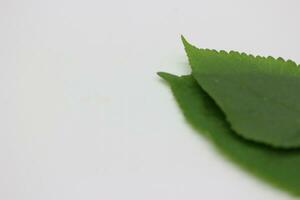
(249, 107)
(279, 167)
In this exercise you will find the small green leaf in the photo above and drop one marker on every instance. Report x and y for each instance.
(280, 167)
(259, 96)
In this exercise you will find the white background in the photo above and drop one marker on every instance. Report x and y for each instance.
(83, 114)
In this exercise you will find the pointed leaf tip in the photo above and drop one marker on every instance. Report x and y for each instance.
(186, 43)
(189, 48)
(182, 38)
(166, 76)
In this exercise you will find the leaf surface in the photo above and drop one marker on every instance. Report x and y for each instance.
(259, 96)
(280, 167)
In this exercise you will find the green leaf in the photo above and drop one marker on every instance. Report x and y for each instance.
(280, 167)
(259, 96)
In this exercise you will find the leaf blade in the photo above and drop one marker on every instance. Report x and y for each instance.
(276, 166)
(259, 96)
